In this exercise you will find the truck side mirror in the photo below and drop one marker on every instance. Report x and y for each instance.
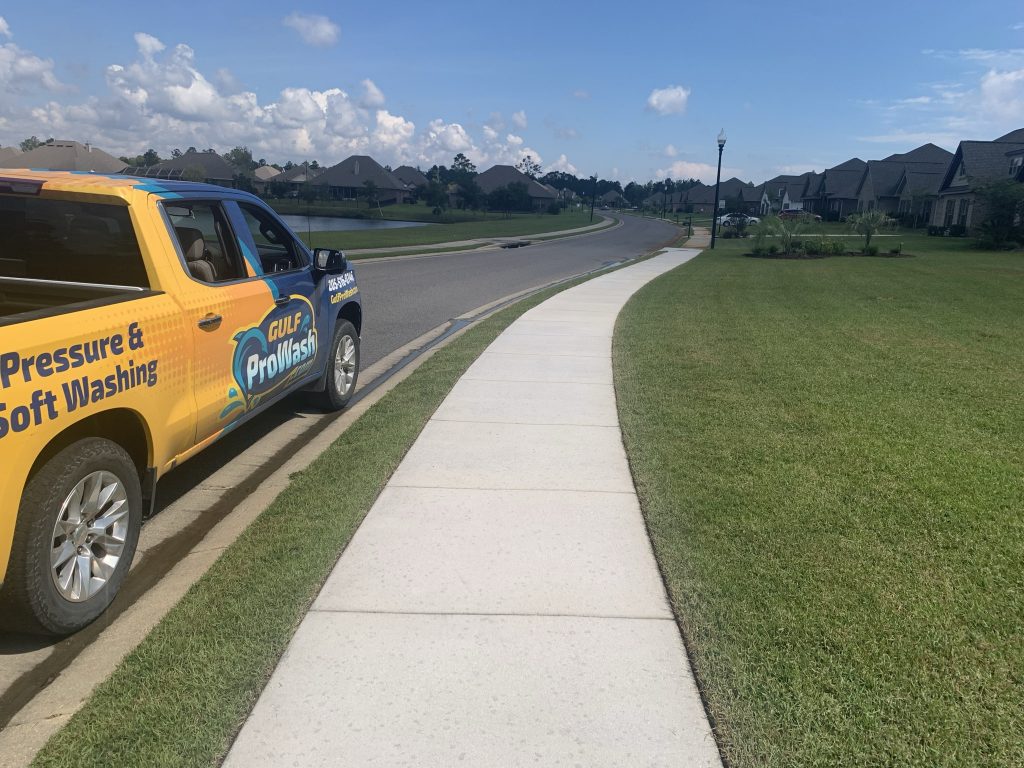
(329, 260)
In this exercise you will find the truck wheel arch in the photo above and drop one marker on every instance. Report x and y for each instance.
(354, 314)
(123, 426)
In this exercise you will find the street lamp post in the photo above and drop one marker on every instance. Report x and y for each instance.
(718, 180)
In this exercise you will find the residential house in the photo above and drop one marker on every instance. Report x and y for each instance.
(975, 164)
(835, 194)
(755, 199)
(613, 199)
(503, 175)
(193, 165)
(699, 199)
(348, 181)
(63, 155)
(786, 192)
(904, 183)
(290, 182)
(411, 177)
(265, 172)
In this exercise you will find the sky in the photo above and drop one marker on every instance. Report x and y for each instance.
(627, 92)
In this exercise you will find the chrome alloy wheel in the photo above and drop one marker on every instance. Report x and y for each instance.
(89, 536)
(345, 365)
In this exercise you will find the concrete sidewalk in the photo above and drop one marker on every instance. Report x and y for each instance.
(500, 605)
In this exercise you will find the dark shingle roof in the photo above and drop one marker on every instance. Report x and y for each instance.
(65, 156)
(884, 176)
(1013, 137)
(409, 175)
(353, 172)
(297, 174)
(843, 183)
(918, 183)
(752, 194)
(213, 165)
(983, 161)
(702, 194)
(503, 175)
(853, 164)
(926, 153)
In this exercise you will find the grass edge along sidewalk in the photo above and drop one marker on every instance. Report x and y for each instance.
(180, 697)
(830, 458)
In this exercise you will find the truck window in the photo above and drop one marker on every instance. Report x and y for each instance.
(278, 250)
(202, 231)
(65, 240)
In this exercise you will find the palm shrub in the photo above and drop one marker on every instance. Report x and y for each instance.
(869, 224)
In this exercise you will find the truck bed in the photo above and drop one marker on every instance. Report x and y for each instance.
(23, 298)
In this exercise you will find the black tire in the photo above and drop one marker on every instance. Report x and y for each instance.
(30, 600)
(338, 387)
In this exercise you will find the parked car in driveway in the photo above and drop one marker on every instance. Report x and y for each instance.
(737, 219)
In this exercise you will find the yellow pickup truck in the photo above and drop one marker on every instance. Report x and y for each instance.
(140, 320)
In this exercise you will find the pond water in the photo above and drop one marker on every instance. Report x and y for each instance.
(300, 224)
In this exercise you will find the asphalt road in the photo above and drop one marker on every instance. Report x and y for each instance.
(405, 298)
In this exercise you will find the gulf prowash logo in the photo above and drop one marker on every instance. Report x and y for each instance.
(272, 354)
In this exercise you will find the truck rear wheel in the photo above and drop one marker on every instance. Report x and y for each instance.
(78, 526)
(342, 369)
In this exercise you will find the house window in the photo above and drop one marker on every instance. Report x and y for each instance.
(961, 174)
(950, 211)
(961, 217)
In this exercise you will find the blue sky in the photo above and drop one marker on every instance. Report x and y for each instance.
(591, 88)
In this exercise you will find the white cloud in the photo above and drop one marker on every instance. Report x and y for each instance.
(5, 28)
(372, 96)
(668, 101)
(490, 133)
(148, 45)
(1002, 95)
(314, 29)
(563, 164)
(581, 94)
(671, 151)
(21, 71)
(514, 141)
(393, 133)
(519, 119)
(683, 169)
(794, 170)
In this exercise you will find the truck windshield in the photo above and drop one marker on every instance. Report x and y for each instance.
(67, 240)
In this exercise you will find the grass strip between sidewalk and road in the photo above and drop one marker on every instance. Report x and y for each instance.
(180, 697)
(829, 454)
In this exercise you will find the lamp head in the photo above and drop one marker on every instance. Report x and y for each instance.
(721, 138)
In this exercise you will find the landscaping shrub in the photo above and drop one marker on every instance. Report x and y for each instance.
(773, 249)
(554, 209)
(870, 250)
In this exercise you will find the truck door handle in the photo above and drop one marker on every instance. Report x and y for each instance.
(282, 300)
(211, 322)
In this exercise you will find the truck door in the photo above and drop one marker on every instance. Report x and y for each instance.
(294, 328)
(221, 298)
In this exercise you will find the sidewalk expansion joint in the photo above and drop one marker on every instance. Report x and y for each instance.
(500, 615)
(523, 423)
(508, 490)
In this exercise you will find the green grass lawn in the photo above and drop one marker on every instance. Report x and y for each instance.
(830, 457)
(518, 225)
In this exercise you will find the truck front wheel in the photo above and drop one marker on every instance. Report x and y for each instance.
(78, 526)
(342, 369)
